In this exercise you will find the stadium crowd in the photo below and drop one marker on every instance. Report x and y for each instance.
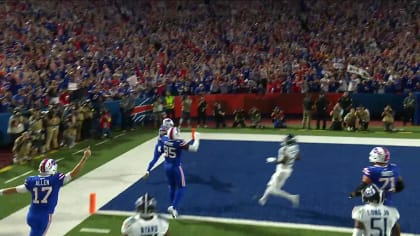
(70, 52)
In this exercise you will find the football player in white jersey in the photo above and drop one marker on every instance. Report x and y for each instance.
(287, 154)
(374, 218)
(145, 222)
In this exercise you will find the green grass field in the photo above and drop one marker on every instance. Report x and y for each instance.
(112, 148)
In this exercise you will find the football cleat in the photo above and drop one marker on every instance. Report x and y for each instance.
(173, 212)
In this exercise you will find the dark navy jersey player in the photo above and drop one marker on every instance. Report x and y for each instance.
(45, 189)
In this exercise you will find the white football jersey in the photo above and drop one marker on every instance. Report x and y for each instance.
(137, 226)
(289, 154)
(378, 219)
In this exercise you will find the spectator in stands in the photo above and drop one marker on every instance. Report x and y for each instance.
(409, 105)
(388, 118)
(307, 111)
(22, 148)
(201, 112)
(336, 117)
(255, 117)
(321, 107)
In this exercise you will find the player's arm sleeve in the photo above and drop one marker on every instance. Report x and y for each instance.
(67, 178)
(126, 225)
(18, 189)
(156, 155)
(358, 191)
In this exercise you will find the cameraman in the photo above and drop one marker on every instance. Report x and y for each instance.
(239, 118)
(22, 148)
(255, 117)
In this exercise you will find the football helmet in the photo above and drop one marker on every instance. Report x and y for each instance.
(174, 133)
(167, 123)
(145, 205)
(379, 154)
(290, 139)
(47, 167)
(372, 194)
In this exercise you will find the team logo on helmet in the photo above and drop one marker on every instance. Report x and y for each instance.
(48, 167)
(174, 133)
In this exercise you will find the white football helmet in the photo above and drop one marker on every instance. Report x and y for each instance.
(379, 154)
(47, 167)
(167, 123)
(174, 133)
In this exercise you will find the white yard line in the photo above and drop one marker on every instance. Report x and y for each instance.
(97, 144)
(17, 177)
(108, 180)
(95, 230)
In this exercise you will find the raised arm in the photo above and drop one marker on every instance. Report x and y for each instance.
(76, 170)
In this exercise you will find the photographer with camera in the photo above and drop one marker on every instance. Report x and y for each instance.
(255, 117)
(22, 148)
(239, 118)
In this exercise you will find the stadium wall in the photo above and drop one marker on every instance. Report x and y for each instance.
(290, 103)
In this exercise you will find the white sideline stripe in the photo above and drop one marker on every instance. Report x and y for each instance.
(95, 230)
(239, 221)
(246, 222)
(117, 136)
(314, 139)
(81, 150)
(97, 144)
(17, 177)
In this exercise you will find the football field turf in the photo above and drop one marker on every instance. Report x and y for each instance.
(112, 148)
(196, 228)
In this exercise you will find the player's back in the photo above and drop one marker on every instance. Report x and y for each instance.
(173, 151)
(288, 154)
(378, 219)
(44, 191)
(137, 226)
(385, 177)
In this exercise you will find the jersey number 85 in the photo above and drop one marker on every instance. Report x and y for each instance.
(170, 151)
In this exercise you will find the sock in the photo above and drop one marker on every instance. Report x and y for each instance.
(172, 191)
(178, 195)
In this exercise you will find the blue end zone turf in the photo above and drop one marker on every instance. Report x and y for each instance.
(226, 178)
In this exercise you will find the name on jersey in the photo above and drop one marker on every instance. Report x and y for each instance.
(387, 173)
(42, 182)
(377, 212)
(152, 229)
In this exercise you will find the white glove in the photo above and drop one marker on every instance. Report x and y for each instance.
(270, 159)
(196, 135)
